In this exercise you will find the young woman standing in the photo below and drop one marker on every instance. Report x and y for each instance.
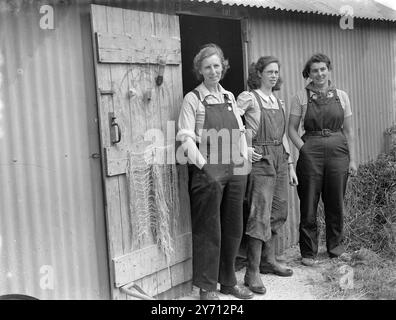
(327, 156)
(272, 169)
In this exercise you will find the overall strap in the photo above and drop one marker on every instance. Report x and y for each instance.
(227, 98)
(308, 96)
(279, 105)
(283, 113)
(258, 99)
(337, 97)
(199, 98)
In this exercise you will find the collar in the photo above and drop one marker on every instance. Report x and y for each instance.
(204, 92)
(313, 90)
(267, 99)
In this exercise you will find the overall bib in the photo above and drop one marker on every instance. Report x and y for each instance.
(322, 170)
(268, 180)
(216, 198)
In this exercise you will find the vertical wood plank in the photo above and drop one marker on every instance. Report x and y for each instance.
(115, 20)
(164, 281)
(103, 79)
(181, 272)
(136, 113)
(119, 73)
(141, 82)
(121, 111)
(115, 26)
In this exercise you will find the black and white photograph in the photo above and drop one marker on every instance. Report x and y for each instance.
(198, 155)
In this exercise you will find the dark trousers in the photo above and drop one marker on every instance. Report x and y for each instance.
(216, 198)
(322, 170)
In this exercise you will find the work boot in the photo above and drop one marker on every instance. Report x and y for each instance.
(268, 263)
(208, 295)
(252, 275)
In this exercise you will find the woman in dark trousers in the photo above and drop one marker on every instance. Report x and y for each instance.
(216, 184)
(272, 169)
(327, 156)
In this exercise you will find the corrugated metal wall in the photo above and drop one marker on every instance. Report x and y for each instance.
(364, 66)
(393, 54)
(52, 223)
(51, 201)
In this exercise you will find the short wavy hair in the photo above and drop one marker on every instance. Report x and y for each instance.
(206, 51)
(254, 81)
(316, 58)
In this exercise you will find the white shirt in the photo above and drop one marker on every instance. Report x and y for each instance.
(187, 121)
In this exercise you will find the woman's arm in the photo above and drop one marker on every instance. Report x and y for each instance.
(294, 123)
(292, 174)
(350, 136)
(245, 106)
(186, 133)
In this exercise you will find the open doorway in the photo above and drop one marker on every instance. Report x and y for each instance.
(196, 31)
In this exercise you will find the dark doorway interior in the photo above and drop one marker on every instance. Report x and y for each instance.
(196, 31)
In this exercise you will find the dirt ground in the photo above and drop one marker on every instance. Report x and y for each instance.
(304, 284)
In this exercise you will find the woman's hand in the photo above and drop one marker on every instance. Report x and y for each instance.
(352, 170)
(350, 136)
(253, 156)
(293, 181)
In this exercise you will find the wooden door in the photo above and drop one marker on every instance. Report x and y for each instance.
(130, 47)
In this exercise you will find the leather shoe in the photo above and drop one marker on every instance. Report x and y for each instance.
(278, 270)
(309, 262)
(208, 295)
(346, 257)
(237, 291)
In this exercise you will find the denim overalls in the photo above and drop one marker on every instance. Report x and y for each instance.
(216, 198)
(267, 191)
(322, 170)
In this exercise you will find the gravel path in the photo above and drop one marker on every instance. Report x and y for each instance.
(300, 286)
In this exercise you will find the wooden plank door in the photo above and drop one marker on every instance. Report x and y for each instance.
(130, 47)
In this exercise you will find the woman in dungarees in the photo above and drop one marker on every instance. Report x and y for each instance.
(327, 157)
(272, 169)
(217, 184)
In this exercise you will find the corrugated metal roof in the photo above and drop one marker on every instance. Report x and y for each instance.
(366, 9)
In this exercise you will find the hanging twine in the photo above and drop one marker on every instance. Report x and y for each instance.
(153, 195)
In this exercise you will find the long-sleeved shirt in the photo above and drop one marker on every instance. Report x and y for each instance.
(193, 113)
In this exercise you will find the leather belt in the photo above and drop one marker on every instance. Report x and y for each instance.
(323, 132)
(268, 143)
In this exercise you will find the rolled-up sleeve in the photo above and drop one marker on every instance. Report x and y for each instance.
(186, 123)
(347, 104)
(296, 106)
(186, 133)
(244, 102)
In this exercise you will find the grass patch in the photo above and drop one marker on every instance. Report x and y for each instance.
(370, 234)
(370, 277)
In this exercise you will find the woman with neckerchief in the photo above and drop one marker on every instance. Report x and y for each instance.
(327, 157)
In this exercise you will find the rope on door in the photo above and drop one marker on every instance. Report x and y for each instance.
(154, 195)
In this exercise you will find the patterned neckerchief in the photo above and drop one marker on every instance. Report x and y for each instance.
(312, 88)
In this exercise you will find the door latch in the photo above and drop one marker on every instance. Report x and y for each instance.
(115, 131)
